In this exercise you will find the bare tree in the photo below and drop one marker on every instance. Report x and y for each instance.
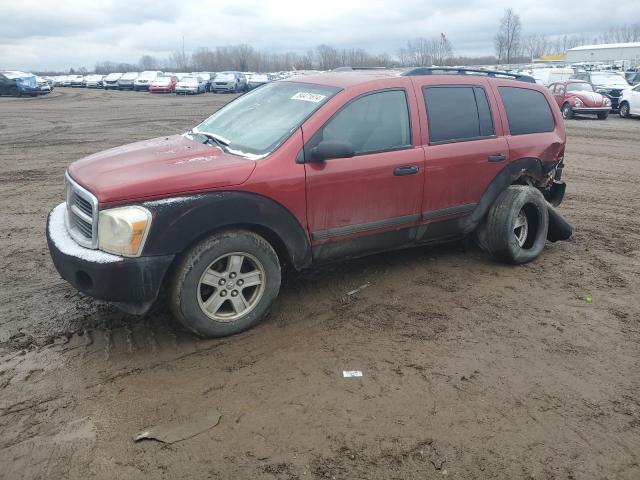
(507, 40)
(442, 50)
(147, 62)
(327, 57)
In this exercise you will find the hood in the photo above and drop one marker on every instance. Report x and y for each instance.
(159, 167)
(588, 98)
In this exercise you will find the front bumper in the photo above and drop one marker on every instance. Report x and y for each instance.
(187, 91)
(592, 110)
(141, 86)
(227, 87)
(153, 89)
(132, 283)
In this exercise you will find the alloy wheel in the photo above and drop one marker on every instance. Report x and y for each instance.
(231, 286)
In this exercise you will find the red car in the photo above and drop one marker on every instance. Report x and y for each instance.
(163, 85)
(577, 96)
(303, 171)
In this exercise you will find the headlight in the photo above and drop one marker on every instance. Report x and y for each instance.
(606, 101)
(578, 103)
(123, 230)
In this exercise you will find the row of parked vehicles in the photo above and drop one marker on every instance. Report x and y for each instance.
(156, 81)
(591, 92)
(17, 84)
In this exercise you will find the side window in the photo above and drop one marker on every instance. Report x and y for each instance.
(372, 123)
(527, 110)
(457, 113)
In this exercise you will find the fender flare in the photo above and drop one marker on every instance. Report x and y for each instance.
(178, 222)
(526, 166)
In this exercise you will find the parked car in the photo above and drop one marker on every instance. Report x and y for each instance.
(43, 85)
(76, 81)
(630, 102)
(633, 78)
(94, 81)
(58, 81)
(190, 86)
(207, 78)
(547, 76)
(229, 82)
(127, 80)
(66, 80)
(577, 96)
(17, 84)
(164, 84)
(267, 180)
(111, 81)
(608, 83)
(256, 79)
(143, 80)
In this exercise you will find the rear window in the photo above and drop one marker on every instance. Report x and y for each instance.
(527, 111)
(457, 114)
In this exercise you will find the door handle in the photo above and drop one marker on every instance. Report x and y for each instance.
(498, 157)
(406, 170)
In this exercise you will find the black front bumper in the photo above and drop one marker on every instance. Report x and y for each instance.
(132, 283)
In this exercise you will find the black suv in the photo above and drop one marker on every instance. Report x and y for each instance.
(610, 84)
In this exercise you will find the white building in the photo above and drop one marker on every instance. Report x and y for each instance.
(608, 52)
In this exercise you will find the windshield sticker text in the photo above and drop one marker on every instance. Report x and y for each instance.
(308, 97)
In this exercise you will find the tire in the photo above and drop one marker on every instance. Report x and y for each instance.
(500, 234)
(624, 110)
(190, 290)
(603, 116)
(567, 112)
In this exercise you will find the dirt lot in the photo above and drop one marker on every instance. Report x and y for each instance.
(472, 369)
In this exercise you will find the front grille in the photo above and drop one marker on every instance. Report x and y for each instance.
(82, 214)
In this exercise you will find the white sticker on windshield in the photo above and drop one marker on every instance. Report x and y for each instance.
(308, 97)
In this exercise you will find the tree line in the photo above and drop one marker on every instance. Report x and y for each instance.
(512, 45)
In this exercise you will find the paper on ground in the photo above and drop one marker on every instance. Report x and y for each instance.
(351, 373)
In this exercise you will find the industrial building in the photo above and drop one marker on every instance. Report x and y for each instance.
(608, 53)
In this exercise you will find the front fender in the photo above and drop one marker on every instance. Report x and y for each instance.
(180, 221)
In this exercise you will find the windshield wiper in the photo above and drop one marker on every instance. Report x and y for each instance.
(220, 141)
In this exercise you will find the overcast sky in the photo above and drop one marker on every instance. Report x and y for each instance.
(58, 34)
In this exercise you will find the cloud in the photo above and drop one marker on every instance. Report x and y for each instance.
(80, 33)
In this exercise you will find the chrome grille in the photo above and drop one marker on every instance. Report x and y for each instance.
(82, 214)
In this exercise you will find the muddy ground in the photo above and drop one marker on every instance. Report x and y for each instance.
(472, 369)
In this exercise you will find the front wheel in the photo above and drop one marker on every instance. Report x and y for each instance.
(567, 112)
(603, 116)
(225, 284)
(515, 229)
(624, 110)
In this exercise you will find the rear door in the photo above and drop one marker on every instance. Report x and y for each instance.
(464, 146)
(368, 202)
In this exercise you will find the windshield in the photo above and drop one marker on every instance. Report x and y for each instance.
(579, 87)
(163, 80)
(190, 80)
(259, 121)
(129, 76)
(608, 79)
(148, 75)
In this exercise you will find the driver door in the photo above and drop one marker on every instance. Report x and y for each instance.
(370, 201)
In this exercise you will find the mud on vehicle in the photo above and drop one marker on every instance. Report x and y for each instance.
(311, 170)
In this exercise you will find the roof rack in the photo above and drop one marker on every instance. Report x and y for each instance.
(353, 69)
(465, 71)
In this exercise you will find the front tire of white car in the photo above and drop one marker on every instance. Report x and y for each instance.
(624, 110)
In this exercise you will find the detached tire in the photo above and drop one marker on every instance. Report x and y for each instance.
(515, 229)
(225, 284)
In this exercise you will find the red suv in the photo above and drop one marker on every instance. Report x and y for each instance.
(309, 170)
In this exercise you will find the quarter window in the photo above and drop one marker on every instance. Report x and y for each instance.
(527, 111)
(372, 123)
(457, 114)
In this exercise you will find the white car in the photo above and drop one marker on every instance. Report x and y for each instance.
(630, 102)
(145, 78)
(111, 81)
(93, 81)
(190, 85)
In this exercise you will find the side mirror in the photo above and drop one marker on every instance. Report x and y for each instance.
(328, 149)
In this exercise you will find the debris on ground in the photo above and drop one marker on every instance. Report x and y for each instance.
(179, 430)
(351, 373)
(359, 289)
